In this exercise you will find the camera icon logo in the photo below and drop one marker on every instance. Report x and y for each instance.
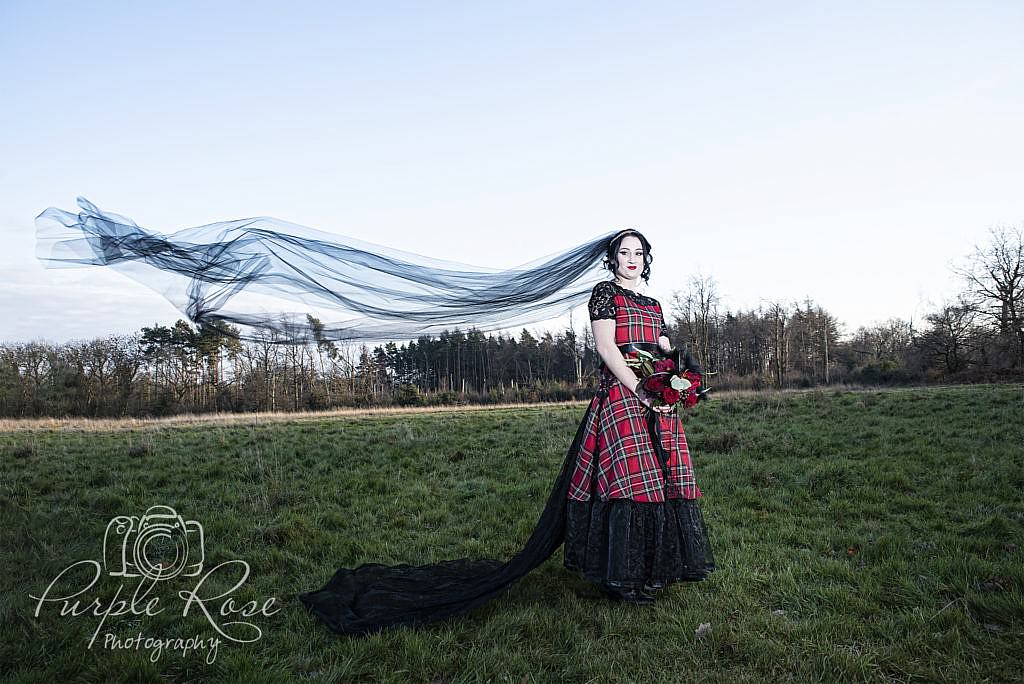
(158, 545)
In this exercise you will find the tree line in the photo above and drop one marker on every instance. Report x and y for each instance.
(161, 370)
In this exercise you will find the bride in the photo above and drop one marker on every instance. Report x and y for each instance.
(632, 522)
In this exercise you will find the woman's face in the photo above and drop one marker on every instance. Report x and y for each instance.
(630, 254)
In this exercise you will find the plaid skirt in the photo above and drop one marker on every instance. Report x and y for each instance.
(632, 514)
(637, 454)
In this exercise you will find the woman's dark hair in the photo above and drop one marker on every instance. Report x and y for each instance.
(613, 247)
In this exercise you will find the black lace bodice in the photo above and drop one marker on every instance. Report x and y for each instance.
(602, 301)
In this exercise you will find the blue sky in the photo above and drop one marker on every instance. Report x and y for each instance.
(850, 153)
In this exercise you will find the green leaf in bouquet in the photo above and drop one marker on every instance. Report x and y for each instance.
(648, 367)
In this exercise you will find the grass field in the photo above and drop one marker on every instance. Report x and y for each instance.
(859, 536)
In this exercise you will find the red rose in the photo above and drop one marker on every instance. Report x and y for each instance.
(670, 395)
(691, 400)
(655, 384)
(664, 366)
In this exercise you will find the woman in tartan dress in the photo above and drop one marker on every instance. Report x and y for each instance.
(633, 523)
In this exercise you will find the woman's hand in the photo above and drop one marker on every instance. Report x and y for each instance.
(646, 401)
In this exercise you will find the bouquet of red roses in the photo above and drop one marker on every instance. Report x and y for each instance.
(666, 380)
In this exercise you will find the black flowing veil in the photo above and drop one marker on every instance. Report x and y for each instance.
(237, 275)
(374, 597)
(276, 281)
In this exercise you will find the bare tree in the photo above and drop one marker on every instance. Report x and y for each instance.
(325, 348)
(950, 338)
(779, 317)
(698, 312)
(995, 276)
(576, 349)
(35, 367)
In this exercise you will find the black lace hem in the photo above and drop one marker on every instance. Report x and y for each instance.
(630, 543)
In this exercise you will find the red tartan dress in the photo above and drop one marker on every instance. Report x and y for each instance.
(638, 521)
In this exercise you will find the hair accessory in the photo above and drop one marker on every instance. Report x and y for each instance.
(625, 230)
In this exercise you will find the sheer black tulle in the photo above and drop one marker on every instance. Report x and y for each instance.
(374, 597)
(252, 273)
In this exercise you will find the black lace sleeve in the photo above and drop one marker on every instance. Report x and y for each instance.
(664, 326)
(602, 301)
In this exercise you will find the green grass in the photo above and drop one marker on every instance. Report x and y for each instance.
(860, 536)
